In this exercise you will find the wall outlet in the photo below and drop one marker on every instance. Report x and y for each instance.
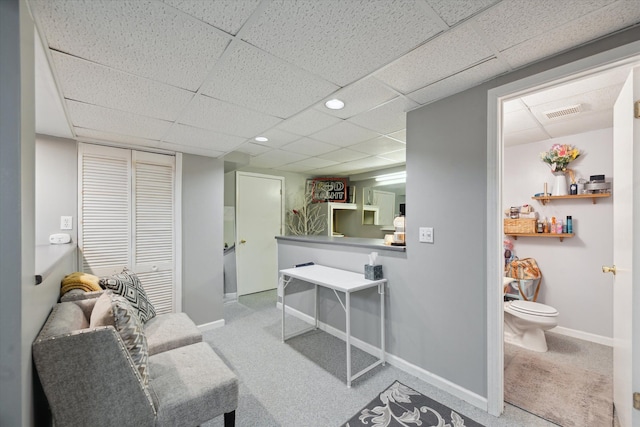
(426, 234)
(66, 222)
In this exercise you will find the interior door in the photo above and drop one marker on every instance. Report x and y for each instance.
(259, 218)
(626, 378)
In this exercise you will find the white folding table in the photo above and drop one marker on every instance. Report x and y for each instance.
(339, 281)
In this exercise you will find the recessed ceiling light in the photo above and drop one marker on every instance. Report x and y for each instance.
(334, 104)
(261, 138)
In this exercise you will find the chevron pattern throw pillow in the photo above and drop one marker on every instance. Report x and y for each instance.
(128, 286)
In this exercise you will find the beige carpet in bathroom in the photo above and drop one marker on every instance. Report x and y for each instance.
(561, 393)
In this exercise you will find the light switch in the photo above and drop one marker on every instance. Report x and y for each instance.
(426, 234)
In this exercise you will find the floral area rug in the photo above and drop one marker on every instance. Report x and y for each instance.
(400, 405)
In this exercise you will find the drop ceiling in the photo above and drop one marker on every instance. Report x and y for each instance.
(207, 77)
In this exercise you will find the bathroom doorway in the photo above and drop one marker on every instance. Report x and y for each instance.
(562, 75)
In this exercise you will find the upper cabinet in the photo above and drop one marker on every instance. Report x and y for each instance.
(384, 202)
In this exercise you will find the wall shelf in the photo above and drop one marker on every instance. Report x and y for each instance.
(546, 199)
(558, 236)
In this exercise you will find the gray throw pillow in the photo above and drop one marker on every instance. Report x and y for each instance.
(128, 286)
(131, 331)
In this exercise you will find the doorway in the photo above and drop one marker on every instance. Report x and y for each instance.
(259, 218)
(597, 63)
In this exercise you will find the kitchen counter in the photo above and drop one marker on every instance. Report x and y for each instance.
(359, 242)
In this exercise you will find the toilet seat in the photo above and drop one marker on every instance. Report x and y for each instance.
(533, 308)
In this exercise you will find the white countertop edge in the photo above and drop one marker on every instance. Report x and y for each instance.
(345, 241)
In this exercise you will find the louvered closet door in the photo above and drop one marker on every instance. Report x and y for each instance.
(153, 227)
(127, 218)
(104, 228)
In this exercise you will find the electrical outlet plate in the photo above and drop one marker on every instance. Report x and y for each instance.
(66, 223)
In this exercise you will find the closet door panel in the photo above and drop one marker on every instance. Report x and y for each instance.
(104, 226)
(153, 227)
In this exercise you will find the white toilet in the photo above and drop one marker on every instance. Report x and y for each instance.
(525, 323)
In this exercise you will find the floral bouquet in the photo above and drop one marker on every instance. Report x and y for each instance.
(559, 156)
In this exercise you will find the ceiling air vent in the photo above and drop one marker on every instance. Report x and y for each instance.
(563, 112)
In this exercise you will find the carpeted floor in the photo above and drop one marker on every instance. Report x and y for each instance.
(301, 383)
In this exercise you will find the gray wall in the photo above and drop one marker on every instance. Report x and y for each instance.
(202, 238)
(57, 190)
(11, 383)
(446, 144)
(365, 323)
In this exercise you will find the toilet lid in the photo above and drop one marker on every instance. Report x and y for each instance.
(533, 308)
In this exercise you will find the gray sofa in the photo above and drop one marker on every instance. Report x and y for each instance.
(90, 378)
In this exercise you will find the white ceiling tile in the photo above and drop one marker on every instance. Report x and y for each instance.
(252, 78)
(203, 138)
(525, 136)
(343, 155)
(190, 149)
(399, 136)
(307, 164)
(387, 118)
(209, 113)
(358, 97)
(368, 163)
(309, 147)
(592, 121)
(611, 81)
(599, 23)
(519, 120)
(228, 15)
(459, 82)
(50, 115)
(453, 12)
(379, 145)
(433, 61)
(332, 171)
(275, 158)
(595, 100)
(334, 39)
(513, 105)
(150, 39)
(344, 134)
(395, 156)
(115, 121)
(253, 149)
(308, 122)
(95, 84)
(513, 21)
(101, 136)
(277, 138)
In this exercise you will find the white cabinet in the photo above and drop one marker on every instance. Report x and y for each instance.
(332, 213)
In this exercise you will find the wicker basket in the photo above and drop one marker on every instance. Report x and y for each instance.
(520, 226)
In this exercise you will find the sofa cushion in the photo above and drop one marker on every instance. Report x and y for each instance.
(114, 310)
(129, 286)
(191, 385)
(168, 331)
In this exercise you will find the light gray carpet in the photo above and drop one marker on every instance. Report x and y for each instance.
(559, 391)
(301, 383)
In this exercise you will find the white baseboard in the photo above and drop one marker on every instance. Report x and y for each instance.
(211, 325)
(426, 376)
(586, 336)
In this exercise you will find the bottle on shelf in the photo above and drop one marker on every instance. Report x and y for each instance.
(559, 226)
(553, 225)
(569, 224)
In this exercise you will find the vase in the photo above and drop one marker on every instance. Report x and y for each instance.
(559, 184)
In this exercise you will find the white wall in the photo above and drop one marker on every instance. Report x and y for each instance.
(56, 186)
(572, 281)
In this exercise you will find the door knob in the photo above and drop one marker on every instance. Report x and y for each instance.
(244, 241)
(611, 269)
